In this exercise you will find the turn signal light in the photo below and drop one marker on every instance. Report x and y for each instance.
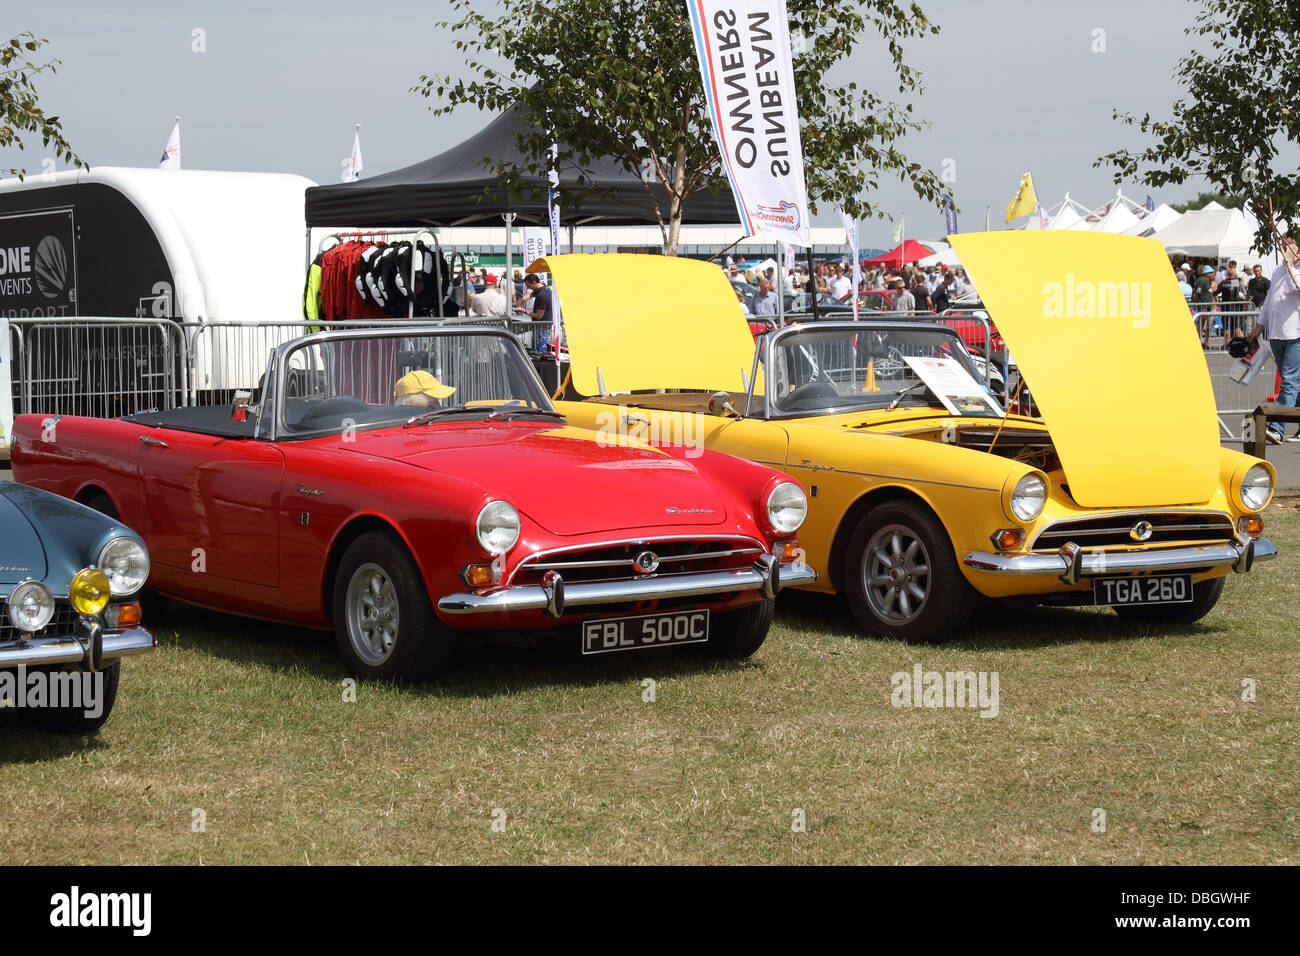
(118, 617)
(790, 551)
(1252, 525)
(477, 575)
(1009, 539)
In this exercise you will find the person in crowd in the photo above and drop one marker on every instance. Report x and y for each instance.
(920, 293)
(1257, 288)
(1279, 322)
(491, 301)
(764, 302)
(520, 289)
(1232, 295)
(540, 307)
(743, 303)
(1184, 283)
(823, 279)
(963, 286)
(942, 294)
(841, 285)
(903, 299)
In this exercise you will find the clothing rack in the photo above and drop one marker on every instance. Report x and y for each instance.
(428, 236)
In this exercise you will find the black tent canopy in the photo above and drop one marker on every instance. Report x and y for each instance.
(460, 188)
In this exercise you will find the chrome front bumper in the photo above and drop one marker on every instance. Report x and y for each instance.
(557, 598)
(1072, 562)
(88, 650)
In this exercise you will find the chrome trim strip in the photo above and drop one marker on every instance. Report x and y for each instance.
(531, 560)
(1133, 514)
(663, 559)
(42, 651)
(767, 575)
(1236, 554)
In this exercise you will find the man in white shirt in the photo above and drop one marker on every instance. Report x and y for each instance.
(1279, 321)
(491, 301)
(841, 285)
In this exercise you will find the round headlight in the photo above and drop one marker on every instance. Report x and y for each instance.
(89, 591)
(497, 527)
(126, 563)
(31, 605)
(1029, 497)
(787, 506)
(1256, 488)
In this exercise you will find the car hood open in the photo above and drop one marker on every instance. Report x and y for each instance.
(562, 477)
(667, 334)
(1100, 331)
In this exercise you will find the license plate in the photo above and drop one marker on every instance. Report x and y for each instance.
(647, 630)
(1164, 589)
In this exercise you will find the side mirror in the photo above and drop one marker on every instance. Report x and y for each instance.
(720, 404)
(239, 407)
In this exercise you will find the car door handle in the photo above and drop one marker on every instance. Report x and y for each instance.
(630, 420)
(156, 442)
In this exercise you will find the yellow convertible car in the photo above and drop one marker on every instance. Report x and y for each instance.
(924, 495)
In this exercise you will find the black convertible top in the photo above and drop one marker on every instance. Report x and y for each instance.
(206, 420)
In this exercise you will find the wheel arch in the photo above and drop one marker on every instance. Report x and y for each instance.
(855, 513)
(354, 528)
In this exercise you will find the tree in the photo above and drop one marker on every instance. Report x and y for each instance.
(19, 112)
(619, 78)
(1238, 113)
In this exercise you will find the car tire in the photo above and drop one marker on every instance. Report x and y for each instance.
(155, 608)
(73, 720)
(383, 620)
(1204, 596)
(738, 634)
(901, 575)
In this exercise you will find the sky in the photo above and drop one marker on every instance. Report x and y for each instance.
(1009, 87)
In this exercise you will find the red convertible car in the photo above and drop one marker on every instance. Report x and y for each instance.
(409, 488)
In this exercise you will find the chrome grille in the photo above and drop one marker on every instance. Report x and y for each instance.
(1113, 530)
(60, 625)
(613, 561)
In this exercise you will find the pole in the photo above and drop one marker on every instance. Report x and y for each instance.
(812, 284)
(780, 289)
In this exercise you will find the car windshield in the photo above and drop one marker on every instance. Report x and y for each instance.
(387, 378)
(864, 366)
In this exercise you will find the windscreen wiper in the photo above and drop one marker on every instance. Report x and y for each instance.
(435, 413)
(501, 413)
(901, 392)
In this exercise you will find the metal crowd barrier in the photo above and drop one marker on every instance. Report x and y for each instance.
(109, 367)
(1216, 327)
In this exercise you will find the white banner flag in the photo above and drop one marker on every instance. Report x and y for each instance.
(352, 165)
(536, 239)
(743, 47)
(851, 240)
(171, 156)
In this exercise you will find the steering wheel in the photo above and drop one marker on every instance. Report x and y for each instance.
(811, 390)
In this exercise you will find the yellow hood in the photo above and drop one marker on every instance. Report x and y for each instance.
(649, 322)
(1098, 327)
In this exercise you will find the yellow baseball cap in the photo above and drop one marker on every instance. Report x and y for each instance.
(422, 382)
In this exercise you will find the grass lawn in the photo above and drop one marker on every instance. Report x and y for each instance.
(247, 723)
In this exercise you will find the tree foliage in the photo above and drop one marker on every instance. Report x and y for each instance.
(1238, 114)
(619, 78)
(20, 114)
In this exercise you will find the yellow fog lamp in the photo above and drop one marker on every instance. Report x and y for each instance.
(89, 591)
